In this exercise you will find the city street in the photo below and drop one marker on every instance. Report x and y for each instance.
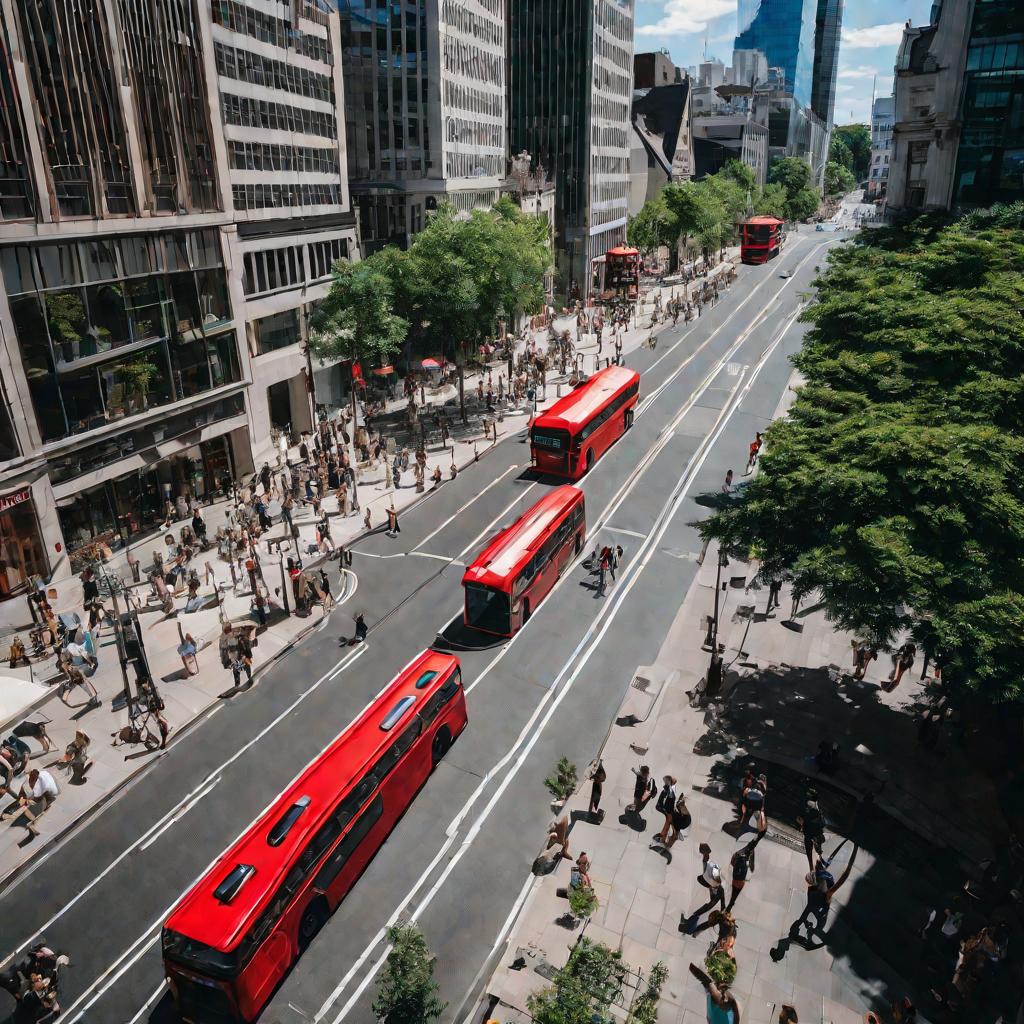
(458, 860)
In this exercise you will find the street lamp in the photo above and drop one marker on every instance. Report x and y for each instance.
(715, 666)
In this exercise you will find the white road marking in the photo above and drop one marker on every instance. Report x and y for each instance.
(149, 1002)
(596, 632)
(501, 515)
(458, 512)
(628, 533)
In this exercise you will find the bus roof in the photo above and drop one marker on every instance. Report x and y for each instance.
(222, 924)
(511, 548)
(764, 219)
(576, 408)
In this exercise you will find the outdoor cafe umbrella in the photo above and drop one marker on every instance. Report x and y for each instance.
(383, 371)
(430, 364)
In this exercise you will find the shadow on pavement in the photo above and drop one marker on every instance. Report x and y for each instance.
(914, 811)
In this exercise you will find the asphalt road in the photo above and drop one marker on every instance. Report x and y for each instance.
(458, 860)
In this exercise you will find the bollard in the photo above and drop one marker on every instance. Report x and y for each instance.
(558, 391)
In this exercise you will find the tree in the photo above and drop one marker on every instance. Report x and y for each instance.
(561, 783)
(653, 226)
(794, 175)
(856, 138)
(406, 990)
(772, 201)
(893, 490)
(736, 170)
(589, 983)
(356, 320)
(839, 152)
(838, 180)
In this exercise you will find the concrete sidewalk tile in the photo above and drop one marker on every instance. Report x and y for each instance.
(648, 905)
(641, 931)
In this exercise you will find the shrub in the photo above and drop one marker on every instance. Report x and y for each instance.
(561, 782)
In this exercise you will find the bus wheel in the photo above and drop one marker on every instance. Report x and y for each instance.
(439, 747)
(627, 420)
(590, 459)
(312, 921)
(526, 612)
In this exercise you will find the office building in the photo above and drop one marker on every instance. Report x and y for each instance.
(570, 89)
(160, 206)
(828, 22)
(749, 67)
(926, 132)
(654, 69)
(785, 31)
(662, 147)
(425, 111)
(883, 114)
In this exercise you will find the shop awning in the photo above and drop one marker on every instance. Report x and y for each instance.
(383, 371)
(18, 698)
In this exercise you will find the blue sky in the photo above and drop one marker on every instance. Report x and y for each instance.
(871, 35)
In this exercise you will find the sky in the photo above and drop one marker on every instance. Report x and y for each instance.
(872, 30)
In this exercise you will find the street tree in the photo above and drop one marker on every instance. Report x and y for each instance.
(839, 152)
(893, 489)
(356, 320)
(653, 226)
(856, 138)
(771, 202)
(838, 179)
(794, 175)
(406, 990)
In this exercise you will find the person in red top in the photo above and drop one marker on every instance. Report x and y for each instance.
(755, 448)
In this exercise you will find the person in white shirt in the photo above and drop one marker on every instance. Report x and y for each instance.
(37, 793)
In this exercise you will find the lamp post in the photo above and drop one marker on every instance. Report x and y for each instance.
(715, 666)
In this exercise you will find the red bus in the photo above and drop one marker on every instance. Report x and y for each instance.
(236, 933)
(568, 438)
(514, 573)
(761, 239)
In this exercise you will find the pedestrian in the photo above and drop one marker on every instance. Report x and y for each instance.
(666, 806)
(752, 810)
(615, 557)
(91, 601)
(241, 662)
(258, 609)
(681, 820)
(742, 864)
(361, 629)
(821, 888)
(73, 676)
(710, 878)
(17, 653)
(36, 797)
(787, 1015)
(603, 567)
(902, 661)
(727, 485)
(187, 652)
(265, 478)
(325, 589)
(558, 835)
(643, 789)
(774, 589)
(35, 730)
(755, 447)
(393, 528)
(598, 777)
(250, 568)
(199, 526)
(812, 824)
(863, 655)
(579, 876)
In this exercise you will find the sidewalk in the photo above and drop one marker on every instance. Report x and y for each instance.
(784, 691)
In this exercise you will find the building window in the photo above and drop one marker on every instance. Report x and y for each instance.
(276, 331)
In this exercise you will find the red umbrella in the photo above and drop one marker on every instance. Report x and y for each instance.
(430, 364)
(383, 371)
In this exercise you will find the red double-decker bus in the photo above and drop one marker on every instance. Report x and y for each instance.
(521, 563)
(237, 932)
(569, 437)
(761, 239)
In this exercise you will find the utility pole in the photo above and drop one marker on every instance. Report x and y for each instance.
(715, 667)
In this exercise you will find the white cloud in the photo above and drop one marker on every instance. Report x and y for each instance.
(860, 71)
(686, 17)
(873, 35)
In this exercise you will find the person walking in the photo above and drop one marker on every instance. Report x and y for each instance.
(240, 662)
(74, 676)
(666, 806)
(36, 796)
(393, 528)
(902, 661)
(727, 485)
(643, 789)
(812, 824)
(603, 567)
(774, 589)
(710, 878)
(325, 589)
(187, 652)
(755, 447)
(598, 777)
(681, 820)
(821, 888)
(742, 865)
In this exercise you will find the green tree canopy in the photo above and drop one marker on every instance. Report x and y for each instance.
(772, 201)
(894, 488)
(856, 138)
(838, 179)
(794, 175)
(839, 152)
(654, 225)
(356, 320)
(406, 990)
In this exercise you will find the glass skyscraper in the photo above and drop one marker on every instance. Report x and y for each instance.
(827, 25)
(990, 162)
(783, 30)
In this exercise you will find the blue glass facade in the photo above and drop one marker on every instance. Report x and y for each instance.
(783, 30)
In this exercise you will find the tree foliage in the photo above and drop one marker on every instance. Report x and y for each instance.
(838, 179)
(894, 488)
(854, 139)
(589, 983)
(772, 201)
(794, 175)
(406, 990)
(653, 226)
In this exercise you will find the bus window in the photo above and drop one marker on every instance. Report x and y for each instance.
(487, 608)
(355, 835)
(433, 706)
(393, 754)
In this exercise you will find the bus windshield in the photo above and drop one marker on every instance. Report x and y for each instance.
(758, 234)
(487, 608)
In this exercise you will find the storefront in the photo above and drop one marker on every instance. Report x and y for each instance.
(122, 510)
(22, 553)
